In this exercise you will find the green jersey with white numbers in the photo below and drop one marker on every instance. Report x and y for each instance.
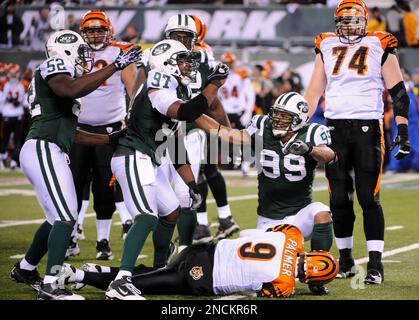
(199, 83)
(285, 182)
(148, 125)
(53, 118)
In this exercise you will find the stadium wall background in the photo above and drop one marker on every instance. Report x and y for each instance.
(255, 34)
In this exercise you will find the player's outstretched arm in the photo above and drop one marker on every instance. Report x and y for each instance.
(87, 138)
(316, 86)
(189, 111)
(217, 112)
(212, 127)
(65, 86)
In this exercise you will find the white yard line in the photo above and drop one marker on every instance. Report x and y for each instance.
(391, 228)
(12, 223)
(391, 252)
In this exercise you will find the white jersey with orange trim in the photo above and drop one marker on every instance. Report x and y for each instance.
(247, 264)
(354, 79)
(107, 103)
(12, 89)
(231, 94)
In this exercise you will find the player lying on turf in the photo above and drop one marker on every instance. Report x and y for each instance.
(265, 265)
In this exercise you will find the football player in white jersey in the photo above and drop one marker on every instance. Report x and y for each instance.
(265, 265)
(53, 96)
(12, 110)
(238, 98)
(102, 111)
(352, 69)
(236, 94)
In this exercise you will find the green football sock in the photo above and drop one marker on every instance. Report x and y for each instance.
(161, 240)
(186, 224)
(322, 237)
(39, 245)
(136, 237)
(58, 241)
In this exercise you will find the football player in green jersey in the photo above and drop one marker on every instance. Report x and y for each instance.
(53, 94)
(287, 151)
(153, 123)
(182, 28)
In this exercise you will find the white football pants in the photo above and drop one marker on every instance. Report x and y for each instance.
(46, 167)
(303, 220)
(145, 189)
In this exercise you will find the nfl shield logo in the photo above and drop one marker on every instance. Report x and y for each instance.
(109, 129)
(365, 128)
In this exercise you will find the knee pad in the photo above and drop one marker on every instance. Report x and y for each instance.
(211, 171)
(104, 210)
(341, 199)
(367, 199)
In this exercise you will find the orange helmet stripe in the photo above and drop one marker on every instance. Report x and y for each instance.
(201, 28)
(351, 7)
(94, 18)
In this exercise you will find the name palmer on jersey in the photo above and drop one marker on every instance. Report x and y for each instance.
(264, 263)
(285, 182)
(354, 79)
(148, 123)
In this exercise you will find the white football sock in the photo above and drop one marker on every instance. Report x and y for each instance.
(224, 212)
(79, 275)
(375, 245)
(122, 273)
(82, 213)
(123, 211)
(105, 269)
(49, 279)
(25, 265)
(103, 229)
(345, 243)
(202, 218)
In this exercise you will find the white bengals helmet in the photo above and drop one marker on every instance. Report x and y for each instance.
(166, 55)
(70, 45)
(289, 113)
(183, 23)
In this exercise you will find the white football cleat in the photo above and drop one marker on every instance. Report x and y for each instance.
(123, 289)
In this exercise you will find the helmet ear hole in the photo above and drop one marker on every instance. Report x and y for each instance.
(67, 52)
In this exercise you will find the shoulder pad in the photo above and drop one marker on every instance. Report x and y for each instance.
(319, 38)
(388, 42)
(125, 46)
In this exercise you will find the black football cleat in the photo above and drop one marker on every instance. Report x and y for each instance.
(31, 278)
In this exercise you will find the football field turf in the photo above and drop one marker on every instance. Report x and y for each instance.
(20, 215)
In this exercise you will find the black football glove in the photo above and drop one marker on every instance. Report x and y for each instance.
(402, 140)
(125, 58)
(220, 72)
(196, 198)
(114, 136)
(299, 148)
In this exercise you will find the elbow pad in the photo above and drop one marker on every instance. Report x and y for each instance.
(193, 109)
(401, 100)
